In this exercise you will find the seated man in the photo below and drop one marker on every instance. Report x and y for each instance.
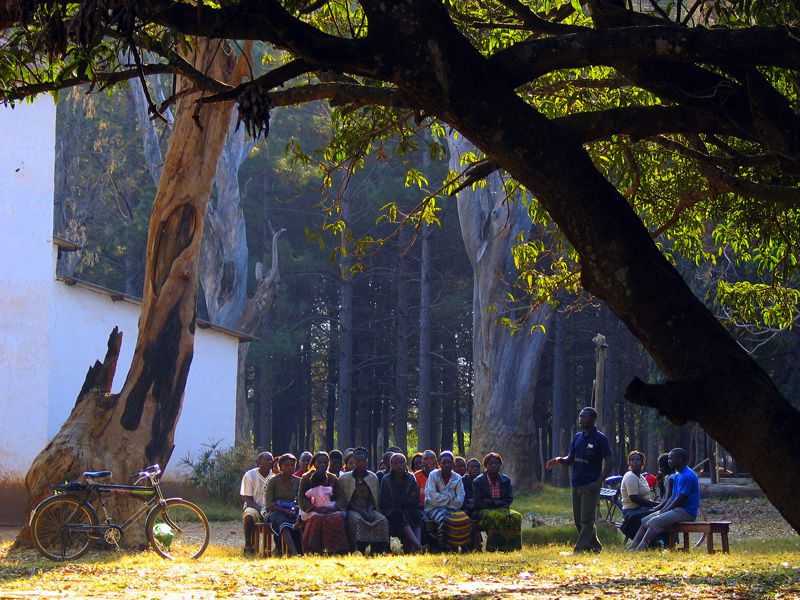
(681, 507)
(252, 490)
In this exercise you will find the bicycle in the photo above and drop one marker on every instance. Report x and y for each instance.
(64, 525)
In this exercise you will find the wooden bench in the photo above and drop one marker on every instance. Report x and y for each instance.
(261, 539)
(707, 527)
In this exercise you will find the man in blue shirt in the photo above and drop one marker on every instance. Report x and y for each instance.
(681, 507)
(591, 459)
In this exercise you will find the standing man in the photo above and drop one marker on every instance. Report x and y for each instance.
(591, 459)
(252, 490)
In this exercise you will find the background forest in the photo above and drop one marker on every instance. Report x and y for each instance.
(385, 328)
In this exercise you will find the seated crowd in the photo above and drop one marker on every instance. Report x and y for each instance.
(332, 503)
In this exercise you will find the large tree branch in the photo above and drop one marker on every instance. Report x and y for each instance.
(675, 400)
(274, 78)
(754, 46)
(738, 160)
(264, 20)
(340, 94)
(639, 122)
(175, 65)
(535, 23)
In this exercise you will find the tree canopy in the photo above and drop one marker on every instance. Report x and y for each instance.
(643, 131)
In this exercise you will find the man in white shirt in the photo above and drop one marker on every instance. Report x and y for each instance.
(252, 491)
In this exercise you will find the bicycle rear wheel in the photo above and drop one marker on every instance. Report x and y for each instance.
(178, 530)
(51, 531)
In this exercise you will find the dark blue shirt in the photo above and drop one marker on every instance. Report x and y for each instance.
(589, 450)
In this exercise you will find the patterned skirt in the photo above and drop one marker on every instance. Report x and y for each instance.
(361, 530)
(325, 533)
(454, 527)
(503, 527)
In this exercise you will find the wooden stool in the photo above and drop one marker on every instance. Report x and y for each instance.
(261, 538)
(707, 527)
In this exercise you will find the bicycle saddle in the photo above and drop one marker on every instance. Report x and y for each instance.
(96, 474)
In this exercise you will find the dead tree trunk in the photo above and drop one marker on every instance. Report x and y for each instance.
(130, 430)
(505, 366)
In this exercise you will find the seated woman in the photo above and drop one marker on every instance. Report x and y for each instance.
(280, 501)
(492, 494)
(664, 477)
(365, 525)
(444, 496)
(399, 502)
(349, 464)
(416, 463)
(472, 468)
(323, 529)
(635, 492)
(384, 467)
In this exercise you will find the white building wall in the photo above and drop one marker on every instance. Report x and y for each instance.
(27, 158)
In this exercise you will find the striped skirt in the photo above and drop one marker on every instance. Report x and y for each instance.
(503, 527)
(454, 527)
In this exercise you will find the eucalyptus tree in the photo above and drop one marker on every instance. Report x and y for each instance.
(506, 363)
(694, 127)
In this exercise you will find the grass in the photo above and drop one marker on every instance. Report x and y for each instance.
(221, 513)
(753, 570)
(551, 502)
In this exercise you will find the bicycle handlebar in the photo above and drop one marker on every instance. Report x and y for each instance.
(148, 473)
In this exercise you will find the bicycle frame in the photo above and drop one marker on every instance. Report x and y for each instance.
(97, 489)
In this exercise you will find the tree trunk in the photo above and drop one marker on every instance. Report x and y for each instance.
(330, 404)
(448, 403)
(344, 425)
(401, 372)
(248, 321)
(561, 412)
(223, 250)
(425, 408)
(505, 366)
(127, 431)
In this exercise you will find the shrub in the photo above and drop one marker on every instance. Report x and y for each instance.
(218, 472)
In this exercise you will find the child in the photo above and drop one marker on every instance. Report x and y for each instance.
(320, 495)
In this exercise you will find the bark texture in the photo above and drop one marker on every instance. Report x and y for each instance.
(505, 366)
(127, 431)
(425, 419)
(402, 332)
(344, 421)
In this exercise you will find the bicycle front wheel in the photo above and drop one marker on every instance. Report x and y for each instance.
(178, 529)
(57, 527)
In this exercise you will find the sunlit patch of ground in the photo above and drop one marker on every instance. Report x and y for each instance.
(753, 570)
